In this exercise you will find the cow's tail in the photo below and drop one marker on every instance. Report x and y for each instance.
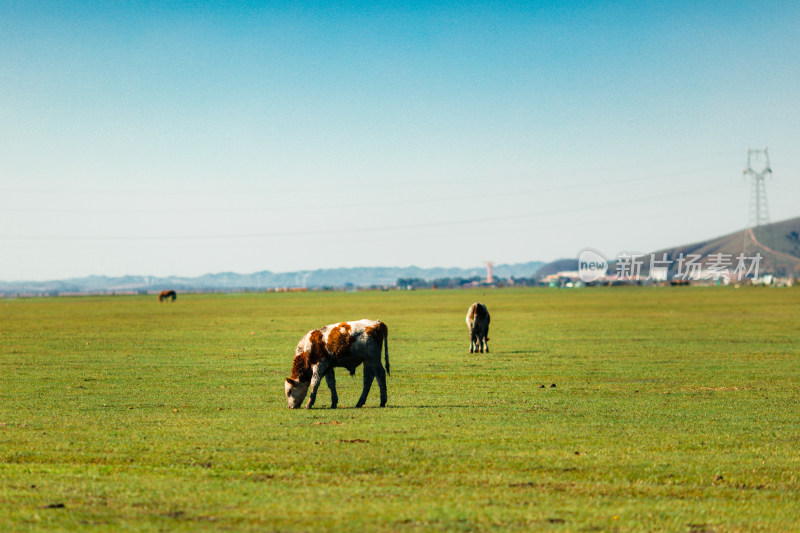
(385, 334)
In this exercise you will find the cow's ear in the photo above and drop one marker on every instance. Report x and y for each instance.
(291, 382)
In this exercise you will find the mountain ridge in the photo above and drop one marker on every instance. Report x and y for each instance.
(262, 280)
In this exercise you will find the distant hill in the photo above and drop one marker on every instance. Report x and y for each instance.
(312, 279)
(559, 265)
(778, 243)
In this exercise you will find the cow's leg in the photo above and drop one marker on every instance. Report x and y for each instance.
(316, 377)
(369, 375)
(380, 374)
(330, 379)
(484, 346)
(472, 347)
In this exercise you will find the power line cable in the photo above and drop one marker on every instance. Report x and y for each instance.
(315, 207)
(329, 231)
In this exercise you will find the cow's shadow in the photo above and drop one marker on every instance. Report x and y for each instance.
(370, 407)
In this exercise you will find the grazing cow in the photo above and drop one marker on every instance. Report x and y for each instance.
(347, 344)
(166, 295)
(478, 324)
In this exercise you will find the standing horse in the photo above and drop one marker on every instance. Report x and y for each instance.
(166, 295)
(478, 324)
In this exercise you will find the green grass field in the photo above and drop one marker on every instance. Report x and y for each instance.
(675, 409)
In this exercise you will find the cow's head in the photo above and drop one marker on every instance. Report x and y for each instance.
(295, 392)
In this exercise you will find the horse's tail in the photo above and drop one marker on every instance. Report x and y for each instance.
(385, 333)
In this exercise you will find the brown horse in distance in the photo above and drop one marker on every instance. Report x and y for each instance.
(166, 295)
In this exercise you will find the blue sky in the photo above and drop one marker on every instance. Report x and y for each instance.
(184, 138)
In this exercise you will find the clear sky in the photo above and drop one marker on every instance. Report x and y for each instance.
(180, 138)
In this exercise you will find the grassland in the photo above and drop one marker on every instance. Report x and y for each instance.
(674, 409)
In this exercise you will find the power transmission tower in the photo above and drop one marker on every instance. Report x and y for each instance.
(758, 235)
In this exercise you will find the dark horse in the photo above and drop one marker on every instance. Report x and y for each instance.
(166, 295)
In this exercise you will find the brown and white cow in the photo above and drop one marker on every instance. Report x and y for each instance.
(478, 324)
(346, 344)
